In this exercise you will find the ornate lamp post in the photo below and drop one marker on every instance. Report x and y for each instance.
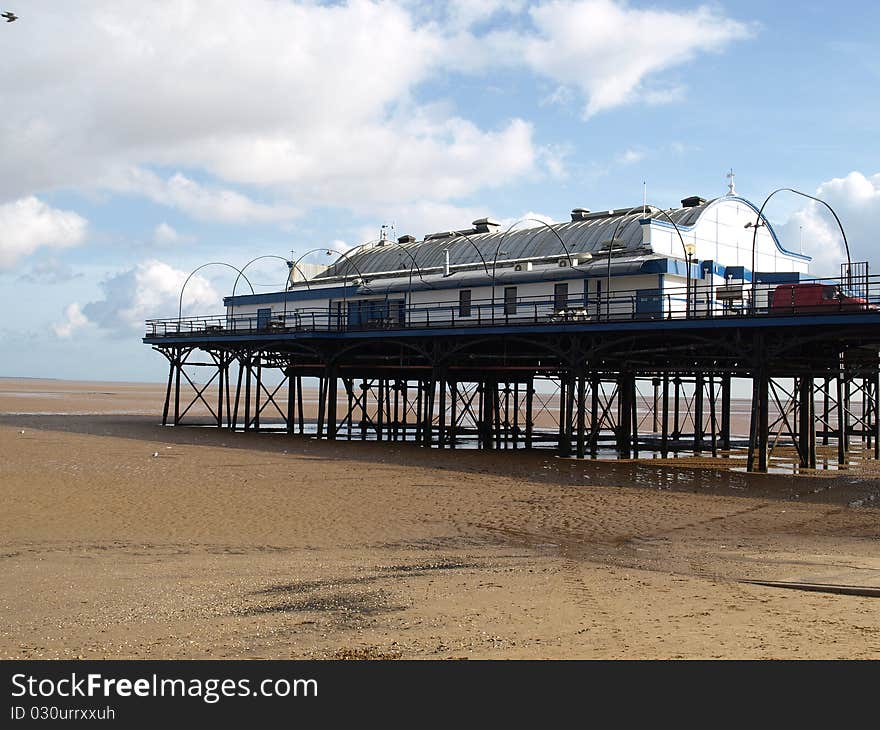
(199, 268)
(647, 210)
(690, 251)
(761, 221)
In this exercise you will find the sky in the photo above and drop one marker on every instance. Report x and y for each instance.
(140, 140)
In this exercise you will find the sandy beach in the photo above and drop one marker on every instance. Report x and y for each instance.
(123, 539)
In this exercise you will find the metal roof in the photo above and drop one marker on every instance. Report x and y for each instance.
(468, 247)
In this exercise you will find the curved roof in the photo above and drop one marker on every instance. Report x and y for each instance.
(590, 235)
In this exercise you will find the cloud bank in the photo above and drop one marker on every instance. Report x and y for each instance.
(252, 111)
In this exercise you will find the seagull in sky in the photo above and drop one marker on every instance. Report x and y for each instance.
(10, 17)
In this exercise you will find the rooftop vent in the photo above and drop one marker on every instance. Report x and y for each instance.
(614, 212)
(579, 214)
(485, 225)
(406, 239)
(441, 234)
(692, 202)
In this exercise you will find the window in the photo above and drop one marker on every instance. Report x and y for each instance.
(510, 300)
(560, 297)
(464, 303)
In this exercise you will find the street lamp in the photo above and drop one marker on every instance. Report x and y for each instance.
(646, 210)
(413, 265)
(761, 221)
(291, 267)
(504, 235)
(690, 251)
(345, 255)
(199, 268)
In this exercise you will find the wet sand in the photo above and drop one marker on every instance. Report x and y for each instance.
(123, 539)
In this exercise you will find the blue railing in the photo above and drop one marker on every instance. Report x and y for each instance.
(817, 296)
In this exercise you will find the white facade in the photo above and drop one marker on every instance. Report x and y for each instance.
(649, 280)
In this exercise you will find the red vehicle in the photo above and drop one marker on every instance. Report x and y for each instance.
(809, 297)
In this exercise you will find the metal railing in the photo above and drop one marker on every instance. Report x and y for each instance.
(703, 301)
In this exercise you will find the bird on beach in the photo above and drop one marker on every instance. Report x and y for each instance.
(10, 17)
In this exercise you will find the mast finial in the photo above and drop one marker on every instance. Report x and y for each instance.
(731, 186)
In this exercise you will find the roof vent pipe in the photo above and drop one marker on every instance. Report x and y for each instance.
(446, 271)
(485, 225)
(578, 214)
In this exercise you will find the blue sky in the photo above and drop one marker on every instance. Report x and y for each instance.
(139, 140)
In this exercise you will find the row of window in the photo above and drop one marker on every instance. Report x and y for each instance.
(560, 299)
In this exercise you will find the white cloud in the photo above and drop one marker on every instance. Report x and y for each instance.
(254, 111)
(74, 319)
(313, 102)
(29, 224)
(150, 289)
(526, 220)
(50, 271)
(856, 200)
(166, 235)
(611, 51)
(630, 156)
(201, 202)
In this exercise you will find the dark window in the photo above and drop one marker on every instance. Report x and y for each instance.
(264, 316)
(560, 297)
(510, 300)
(464, 303)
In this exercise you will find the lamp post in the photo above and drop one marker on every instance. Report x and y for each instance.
(760, 221)
(199, 268)
(344, 255)
(690, 251)
(475, 247)
(611, 241)
(413, 264)
(647, 209)
(291, 267)
(510, 228)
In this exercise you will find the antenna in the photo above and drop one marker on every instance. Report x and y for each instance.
(644, 197)
(731, 186)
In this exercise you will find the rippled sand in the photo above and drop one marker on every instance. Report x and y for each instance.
(120, 538)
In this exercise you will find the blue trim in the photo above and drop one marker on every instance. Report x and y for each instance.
(666, 224)
(777, 277)
(738, 272)
(298, 295)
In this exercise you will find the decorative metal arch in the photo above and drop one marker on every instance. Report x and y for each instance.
(757, 224)
(199, 268)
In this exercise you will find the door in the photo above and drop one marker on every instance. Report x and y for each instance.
(264, 316)
(509, 300)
